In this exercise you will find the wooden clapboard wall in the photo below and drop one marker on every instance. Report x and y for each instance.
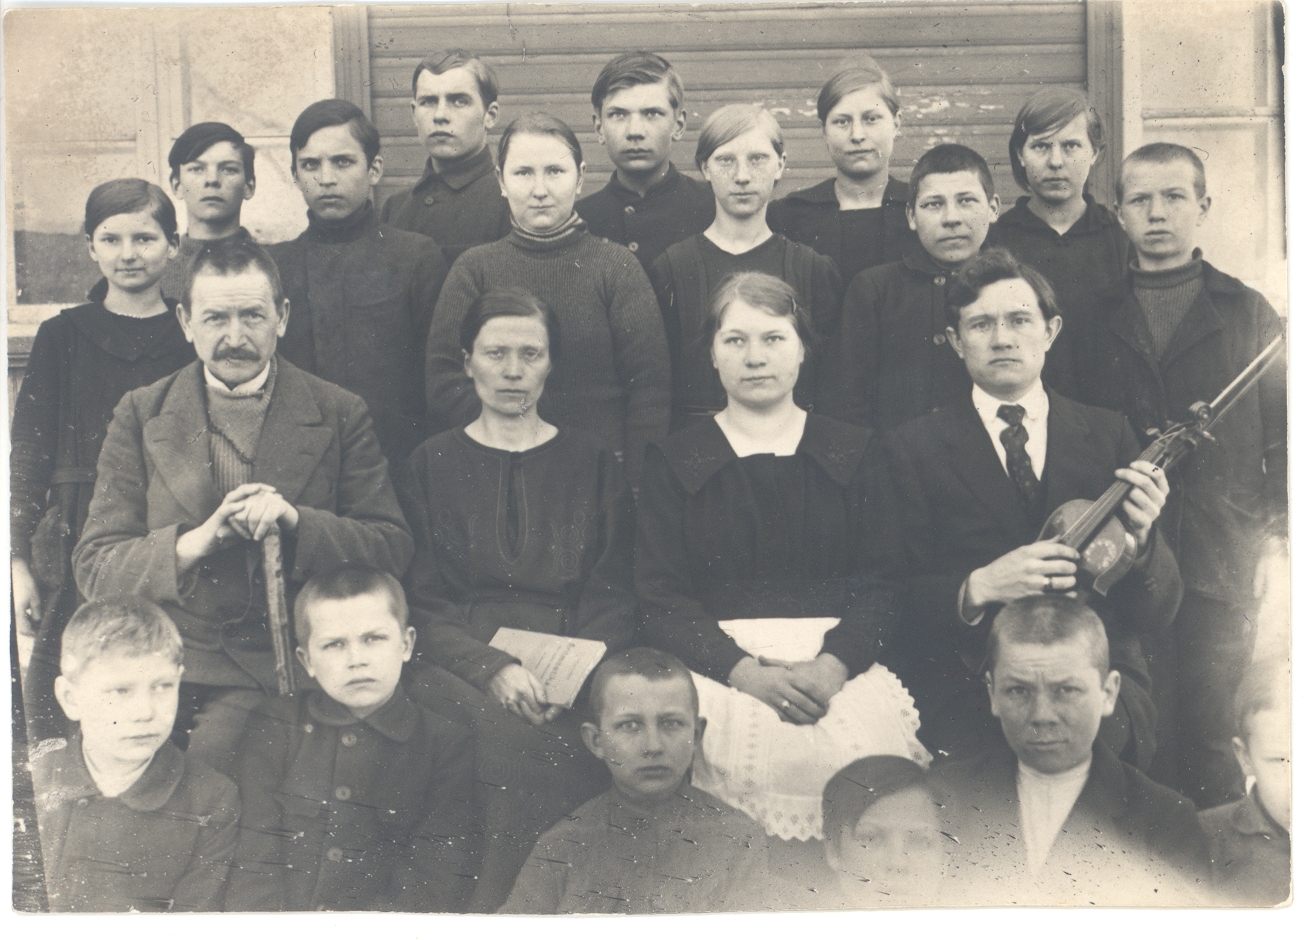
(962, 70)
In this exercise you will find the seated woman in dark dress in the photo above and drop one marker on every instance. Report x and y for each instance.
(763, 544)
(858, 216)
(519, 524)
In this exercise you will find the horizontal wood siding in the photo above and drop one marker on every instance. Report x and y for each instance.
(962, 70)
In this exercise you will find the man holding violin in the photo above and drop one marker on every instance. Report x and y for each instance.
(977, 481)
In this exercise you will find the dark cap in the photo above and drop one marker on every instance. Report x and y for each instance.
(196, 139)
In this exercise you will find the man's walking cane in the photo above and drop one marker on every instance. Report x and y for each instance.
(278, 621)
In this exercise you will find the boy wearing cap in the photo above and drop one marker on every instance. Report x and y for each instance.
(213, 174)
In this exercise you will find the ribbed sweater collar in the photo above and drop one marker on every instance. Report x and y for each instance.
(568, 233)
(341, 231)
(1170, 277)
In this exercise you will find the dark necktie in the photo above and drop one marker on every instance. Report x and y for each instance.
(1018, 464)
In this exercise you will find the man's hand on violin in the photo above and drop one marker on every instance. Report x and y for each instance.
(1145, 500)
(1041, 568)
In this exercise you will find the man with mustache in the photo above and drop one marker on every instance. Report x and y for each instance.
(975, 482)
(213, 174)
(457, 202)
(647, 205)
(197, 469)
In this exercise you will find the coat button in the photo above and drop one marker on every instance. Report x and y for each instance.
(348, 739)
(308, 728)
(430, 200)
(334, 854)
(939, 338)
(629, 210)
(634, 246)
(343, 793)
(940, 280)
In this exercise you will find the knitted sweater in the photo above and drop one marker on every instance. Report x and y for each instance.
(612, 376)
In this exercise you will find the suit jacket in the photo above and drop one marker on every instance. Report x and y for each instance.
(319, 452)
(960, 511)
(1127, 840)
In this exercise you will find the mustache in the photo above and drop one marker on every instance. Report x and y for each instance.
(236, 355)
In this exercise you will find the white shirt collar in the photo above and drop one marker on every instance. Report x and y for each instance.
(244, 388)
(1034, 401)
(1036, 406)
(1046, 800)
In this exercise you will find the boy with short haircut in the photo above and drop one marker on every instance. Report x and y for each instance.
(213, 174)
(355, 797)
(1183, 333)
(1250, 840)
(361, 291)
(891, 361)
(653, 843)
(457, 202)
(127, 821)
(647, 205)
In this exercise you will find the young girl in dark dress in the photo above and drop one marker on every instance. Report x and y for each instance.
(858, 217)
(522, 524)
(763, 561)
(82, 362)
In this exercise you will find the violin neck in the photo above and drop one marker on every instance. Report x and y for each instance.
(1086, 527)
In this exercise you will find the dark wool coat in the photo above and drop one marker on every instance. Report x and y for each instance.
(155, 483)
(1250, 854)
(344, 814)
(1127, 841)
(960, 511)
(1088, 270)
(723, 538)
(1225, 491)
(457, 209)
(672, 210)
(854, 240)
(165, 844)
(361, 299)
(892, 361)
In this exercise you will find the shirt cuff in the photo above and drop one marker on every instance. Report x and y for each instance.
(960, 606)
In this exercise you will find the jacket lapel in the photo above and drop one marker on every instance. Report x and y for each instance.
(177, 441)
(981, 470)
(1069, 454)
(1201, 321)
(294, 436)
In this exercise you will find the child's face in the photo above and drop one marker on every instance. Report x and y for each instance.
(356, 650)
(333, 174)
(951, 215)
(1161, 212)
(126, 705)
(743, 173)
(638, 126)
(213, 185)
(894, 853)
(646, 735)
(1266, 755)
(131, 250)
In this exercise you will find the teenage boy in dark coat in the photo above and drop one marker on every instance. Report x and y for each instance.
(1184, 332)
(457, 202)
(647, 205)
(362, 291)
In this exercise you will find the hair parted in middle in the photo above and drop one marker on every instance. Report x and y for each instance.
(853, 75)
(125, 196)
(765, 292)
(509, 302)
(989, 267)
(1046, 112)
(542, 124)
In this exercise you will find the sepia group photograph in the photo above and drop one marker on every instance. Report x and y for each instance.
(772, 461)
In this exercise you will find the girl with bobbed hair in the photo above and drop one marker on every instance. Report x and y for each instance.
(858, 216)
(611, 372)
(516, 523)
(1059, 229)
(741, 153)
(766, 561)
(83, 361)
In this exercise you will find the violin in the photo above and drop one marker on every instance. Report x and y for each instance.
(1095, 530)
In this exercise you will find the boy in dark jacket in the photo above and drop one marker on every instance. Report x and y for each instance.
(127, 821)
(891, 361)
(1183, 333)
(355, 797)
